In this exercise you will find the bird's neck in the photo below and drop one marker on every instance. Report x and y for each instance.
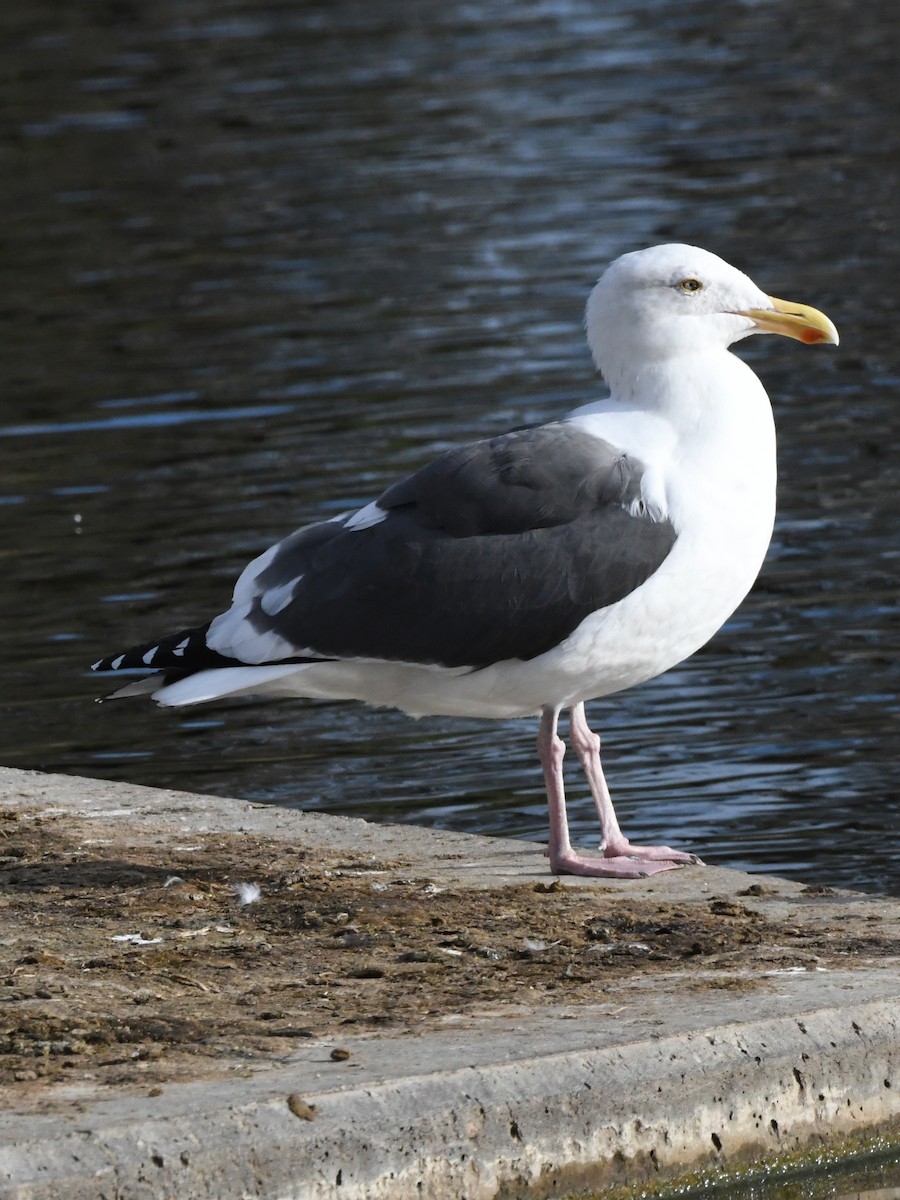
(700, 407)
(691, 390)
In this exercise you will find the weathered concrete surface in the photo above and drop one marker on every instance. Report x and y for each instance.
(525, 1101)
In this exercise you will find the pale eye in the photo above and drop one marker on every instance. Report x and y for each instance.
(690, 286)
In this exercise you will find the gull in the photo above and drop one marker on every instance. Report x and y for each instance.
(529, 573)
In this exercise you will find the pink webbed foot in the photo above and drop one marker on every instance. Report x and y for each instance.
(620, 847)
(570, 862)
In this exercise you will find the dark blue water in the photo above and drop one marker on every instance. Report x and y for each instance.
(259, 259)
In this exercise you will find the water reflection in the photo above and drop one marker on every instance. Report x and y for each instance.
(261, 259)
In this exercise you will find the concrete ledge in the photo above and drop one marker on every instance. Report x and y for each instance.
(652, 1080)
(539, 1126)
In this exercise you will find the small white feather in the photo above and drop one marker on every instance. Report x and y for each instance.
(247, 893)
(372, 514)
(232, 634)
(278, 598)
(247, 587)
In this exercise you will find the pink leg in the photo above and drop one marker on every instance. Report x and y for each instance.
(563, 859)
(614, 844)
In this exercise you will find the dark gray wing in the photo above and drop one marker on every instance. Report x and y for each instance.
(495, 550)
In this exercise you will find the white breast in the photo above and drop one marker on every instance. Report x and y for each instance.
(712, 467)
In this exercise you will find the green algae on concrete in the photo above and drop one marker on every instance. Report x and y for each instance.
(842, 1166)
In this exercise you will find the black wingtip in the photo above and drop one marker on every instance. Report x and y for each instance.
(184, 652)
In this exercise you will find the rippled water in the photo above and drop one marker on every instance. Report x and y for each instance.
(261, 258)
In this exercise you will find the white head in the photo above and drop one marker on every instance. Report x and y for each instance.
(673, 300)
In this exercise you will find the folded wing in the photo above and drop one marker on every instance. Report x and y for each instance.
(493, 551)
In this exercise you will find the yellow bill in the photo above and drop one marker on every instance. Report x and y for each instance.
(794, 320)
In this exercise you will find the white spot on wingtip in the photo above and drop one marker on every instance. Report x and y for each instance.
(180, 648)
(149, 656)
(117, 662)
